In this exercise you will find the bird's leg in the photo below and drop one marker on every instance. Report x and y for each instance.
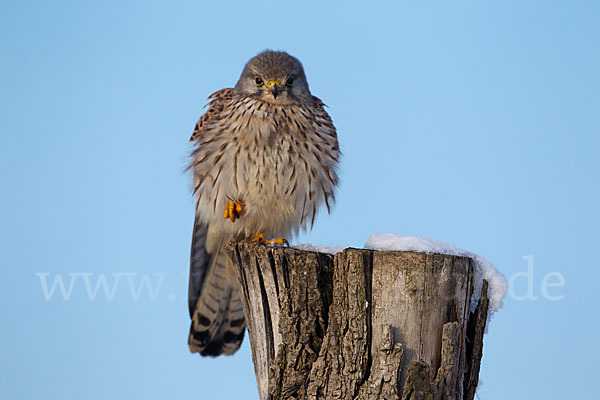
(233, 210)
(260, 238)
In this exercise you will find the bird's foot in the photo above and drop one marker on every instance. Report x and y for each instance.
(233, 210)
(260, 238)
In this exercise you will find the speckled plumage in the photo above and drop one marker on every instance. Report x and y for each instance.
(276, 155)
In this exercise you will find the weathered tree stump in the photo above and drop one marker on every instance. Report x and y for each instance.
(362, 324)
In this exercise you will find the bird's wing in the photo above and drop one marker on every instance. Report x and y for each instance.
(324, 122)
(214, 301)
(199, 263)
(200, 259)
(215, 108)
(327, 142)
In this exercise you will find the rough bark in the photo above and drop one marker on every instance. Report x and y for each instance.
(362, 324)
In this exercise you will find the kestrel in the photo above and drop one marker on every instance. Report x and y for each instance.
(265, 160)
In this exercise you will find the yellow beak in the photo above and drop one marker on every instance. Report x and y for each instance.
(274, 87)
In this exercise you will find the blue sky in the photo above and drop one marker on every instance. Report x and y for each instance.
(471, 122)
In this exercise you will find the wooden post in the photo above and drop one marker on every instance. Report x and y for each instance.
(362, 324)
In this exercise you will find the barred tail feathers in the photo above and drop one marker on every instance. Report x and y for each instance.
(217, 315)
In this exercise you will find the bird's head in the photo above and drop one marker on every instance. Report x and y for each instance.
(274, 77)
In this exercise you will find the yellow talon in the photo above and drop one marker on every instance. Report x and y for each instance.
(260, 238)
(233, 210)
(278, 241)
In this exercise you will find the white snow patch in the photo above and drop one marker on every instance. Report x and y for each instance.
(498, 286)
(319, 249)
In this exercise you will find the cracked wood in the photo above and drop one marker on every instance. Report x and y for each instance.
(362, 324)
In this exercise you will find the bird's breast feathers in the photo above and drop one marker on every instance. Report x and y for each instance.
(278, 161)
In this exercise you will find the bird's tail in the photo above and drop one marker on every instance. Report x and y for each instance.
(215, 305)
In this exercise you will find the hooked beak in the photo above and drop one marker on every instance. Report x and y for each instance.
(274, 87)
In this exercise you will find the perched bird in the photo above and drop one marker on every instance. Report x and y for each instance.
(264, 161)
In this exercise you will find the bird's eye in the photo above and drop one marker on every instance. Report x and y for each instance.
(290, 82)
(258, 80)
